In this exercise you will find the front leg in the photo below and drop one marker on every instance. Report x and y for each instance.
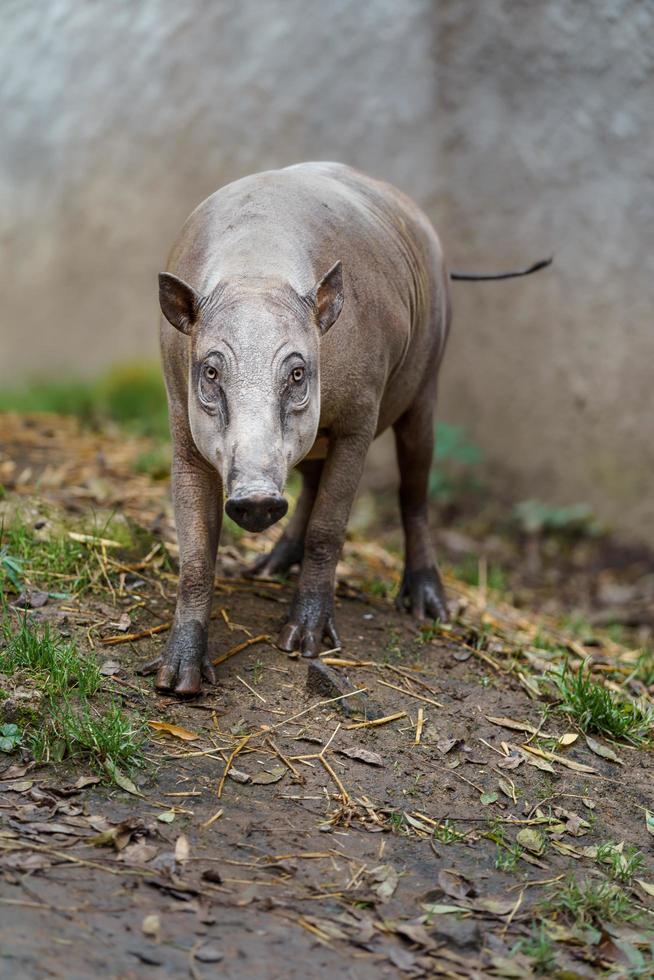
(197, 499)
(311, 616)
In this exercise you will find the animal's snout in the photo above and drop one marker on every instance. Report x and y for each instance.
(256, 511)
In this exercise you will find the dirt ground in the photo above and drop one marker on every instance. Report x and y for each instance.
(275, 830)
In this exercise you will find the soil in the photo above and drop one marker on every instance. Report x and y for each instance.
(331, 866)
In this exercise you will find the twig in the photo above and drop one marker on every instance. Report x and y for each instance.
(251, 689)
(216, 816)
(420, 697)
(287, 762)
(421, 721)
(345, 799)
(377, 721)
(262, 638)
(228, 764)
(109, 641)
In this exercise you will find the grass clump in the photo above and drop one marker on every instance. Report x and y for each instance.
(540, 949)
(589, 903)
(596, 709)
(446, 833)
(624, 862)
(54, 662)
(132, 395)
(107, 739)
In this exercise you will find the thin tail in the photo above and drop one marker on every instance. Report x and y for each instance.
(472, 277)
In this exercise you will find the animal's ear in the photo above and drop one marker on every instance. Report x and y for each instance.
(327, 297)
(180, 304)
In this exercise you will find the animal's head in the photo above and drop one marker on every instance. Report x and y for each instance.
(254, 381)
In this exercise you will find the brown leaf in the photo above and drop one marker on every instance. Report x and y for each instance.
(362, 755)
(602, 750)
(272, 776)
(182, 849)
(447, 744)
(454, 884)
(176, 730)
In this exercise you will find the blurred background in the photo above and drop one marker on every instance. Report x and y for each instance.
(522, 129)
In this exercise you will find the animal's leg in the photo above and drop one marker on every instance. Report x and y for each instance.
(311, 616)
(421, 591)
(289, 550)
(197, 499)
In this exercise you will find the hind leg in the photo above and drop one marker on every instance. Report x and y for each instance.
(289, 550)
(421, 591)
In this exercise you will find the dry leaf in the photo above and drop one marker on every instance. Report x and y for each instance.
(238, 776)
(531, 840)
(182, 849)
(649, 822)
(388, 879)
(568, 763)
(647, 886)
(602, 750)
(447, 744)
(568, 738)
(176, 730)
(362, 755)
(454, 884)
(273, 776)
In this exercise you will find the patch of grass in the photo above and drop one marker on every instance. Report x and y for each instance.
(52, 559)
(539, 948)
(107, 739)
(596, 709)
(537, 517)
(376, 586)
(397, 822)
(133, 395)
(624, 862)
(588, 903)
(447, 833)
(644, 669)
(507, 857)
(53, 661)
(257, 671)
(468, 571)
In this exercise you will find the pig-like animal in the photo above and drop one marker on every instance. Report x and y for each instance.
(306, 310)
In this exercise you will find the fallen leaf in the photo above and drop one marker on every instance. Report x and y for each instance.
(437, 909)
(272, 776)
(486, 798)
(85, 781)
(166, 817)
(182, 849)
(568, 763)
(512, 761)
(415, 932)
(447, 744)
(494, 906)
(508, 789)
(387, 878)
(176, 730)
(568, 738)
(454, 884)
(109, 668)
(647, 886)
(602, 750)
(531, 840)
(121, 779)
(517, 726)
(17, 786)
(649, 822)
(537, 762)
(117, 836)
(362, 755)
(138, 852)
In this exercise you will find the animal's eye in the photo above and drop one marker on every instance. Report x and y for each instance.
(297, 375)
(210, 372)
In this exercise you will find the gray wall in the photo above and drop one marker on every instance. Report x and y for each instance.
(522, 128)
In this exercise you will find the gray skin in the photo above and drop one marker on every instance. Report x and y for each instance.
(306, 310)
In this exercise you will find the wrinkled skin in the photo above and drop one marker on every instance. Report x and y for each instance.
(305, 311)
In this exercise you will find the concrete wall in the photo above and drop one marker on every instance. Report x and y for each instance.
(522, 128)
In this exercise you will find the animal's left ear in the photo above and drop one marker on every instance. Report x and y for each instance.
(327, 298)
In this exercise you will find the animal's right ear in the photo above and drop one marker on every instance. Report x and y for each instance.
(179, 302)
